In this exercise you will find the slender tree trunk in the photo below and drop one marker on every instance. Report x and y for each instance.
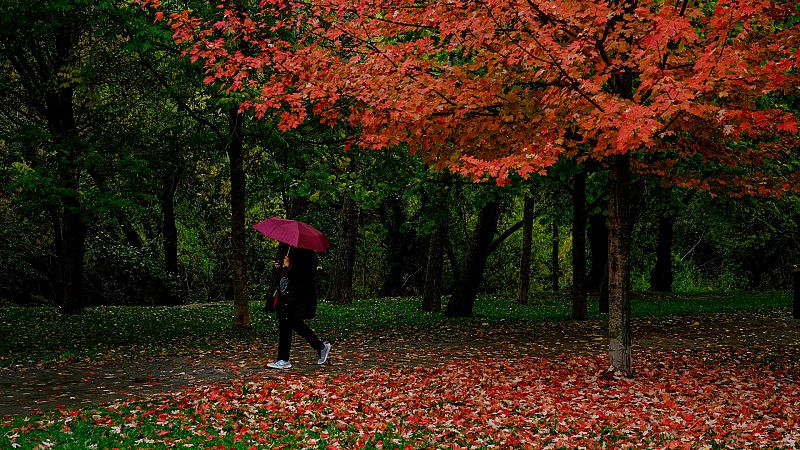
(661, 277)
(597, 234)
(432, 291)
(340, 290)
(235, 148)
(131, 236)
(554, 257)
(432, 294)
(169, 229)
(579, 305)
(602, 295)
(598, 276)
(466, 289)
(523, 289)
(619, 306)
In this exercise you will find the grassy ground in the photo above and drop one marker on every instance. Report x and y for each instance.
(35, 335)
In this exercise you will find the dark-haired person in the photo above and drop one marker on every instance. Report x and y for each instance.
(297, 302)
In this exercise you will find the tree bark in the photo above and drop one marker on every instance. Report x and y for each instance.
(579, 305)
(619, 306)
(340, 290)
(523, 289)
(466, 289)
(661, 277)
(235, 148)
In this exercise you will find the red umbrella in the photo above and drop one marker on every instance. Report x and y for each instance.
(294, 233)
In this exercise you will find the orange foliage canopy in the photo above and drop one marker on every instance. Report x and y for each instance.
(694, 91)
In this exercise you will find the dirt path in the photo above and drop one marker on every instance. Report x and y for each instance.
(39, 389)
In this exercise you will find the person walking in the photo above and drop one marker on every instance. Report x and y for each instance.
(296, 302)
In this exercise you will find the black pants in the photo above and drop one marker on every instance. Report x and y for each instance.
(292, 322)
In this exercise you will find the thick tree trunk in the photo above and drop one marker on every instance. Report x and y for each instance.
(393, 217)
(556, 270)
(61, 121)
(619, 306)
(75, 232)
(340, 290)
(57, 275)
(661, 277)
(579, 305)
(523, 289)
(466, 289)
(235, 148)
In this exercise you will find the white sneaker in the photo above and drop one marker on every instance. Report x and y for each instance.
(279, 364)
(323, 354)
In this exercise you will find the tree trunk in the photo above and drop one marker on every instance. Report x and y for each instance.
(523, 289)
(235, 148)
(340, 290)
(598, 275)
(169, 229)
(56, 275)
(432, 291)
(554, 257)
(661, 277)
(75, 232)
(579, 306)
(466, 288)
(61, 121)
(619, 305)
(432, 294)
(393, 217)
(597, 234)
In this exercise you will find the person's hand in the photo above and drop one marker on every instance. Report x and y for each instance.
(286, 261)
(277, 264)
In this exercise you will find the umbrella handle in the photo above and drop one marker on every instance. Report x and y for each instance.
(287, 254)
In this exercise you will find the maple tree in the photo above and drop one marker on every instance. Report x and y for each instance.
(494, 88)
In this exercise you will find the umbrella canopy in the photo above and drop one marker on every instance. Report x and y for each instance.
(294, 233)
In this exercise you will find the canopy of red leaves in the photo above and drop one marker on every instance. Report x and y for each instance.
(495, 87)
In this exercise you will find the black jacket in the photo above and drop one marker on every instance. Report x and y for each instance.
(300, 298)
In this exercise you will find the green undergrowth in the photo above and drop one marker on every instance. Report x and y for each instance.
(40, 334)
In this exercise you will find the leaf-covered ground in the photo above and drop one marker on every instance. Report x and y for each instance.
(677, 400)
(703, 381)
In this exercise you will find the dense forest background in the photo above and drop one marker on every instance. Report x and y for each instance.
(117, 163)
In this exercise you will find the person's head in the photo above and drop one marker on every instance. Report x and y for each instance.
(302, 257)
(280, 252)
